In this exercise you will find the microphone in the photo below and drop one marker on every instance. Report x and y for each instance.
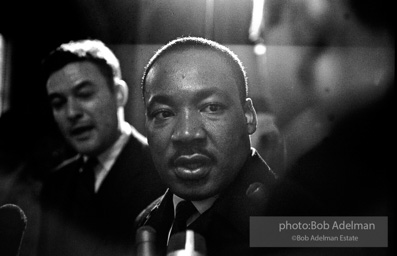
(145, 241)
(187, 243)
(12, 228)
(256, 192)
(257, 198)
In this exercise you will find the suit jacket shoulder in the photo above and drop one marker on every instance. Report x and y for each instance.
(131, 184)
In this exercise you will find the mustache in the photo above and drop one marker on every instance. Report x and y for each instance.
(187, 151)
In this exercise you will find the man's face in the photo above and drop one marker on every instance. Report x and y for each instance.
(84, 107)
(196, 124)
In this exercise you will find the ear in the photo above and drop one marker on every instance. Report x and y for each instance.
(121, 91)
(250, 116)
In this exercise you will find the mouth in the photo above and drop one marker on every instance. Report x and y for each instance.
(192, 167)
(81, 132)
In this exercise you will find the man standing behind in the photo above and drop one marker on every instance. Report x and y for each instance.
(90, 202)
(199, 120)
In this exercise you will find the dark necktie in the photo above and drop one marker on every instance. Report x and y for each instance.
(184, 210)
(87, 176)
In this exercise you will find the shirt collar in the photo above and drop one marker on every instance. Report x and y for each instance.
(201, 206)
(108, 157)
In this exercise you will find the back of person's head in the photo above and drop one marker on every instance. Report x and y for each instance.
(188, 43)
(91, 50)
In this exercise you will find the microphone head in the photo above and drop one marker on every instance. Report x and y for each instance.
(256, 192)
(257, 198)
(145, 241)
(187, 243)
(12, 228)
(145, 234)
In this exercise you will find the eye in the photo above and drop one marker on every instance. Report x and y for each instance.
(57, 103)
(85, 93)
(85, 90)
(161, 114)
(213, 108)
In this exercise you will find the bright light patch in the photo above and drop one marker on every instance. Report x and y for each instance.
(260, 49)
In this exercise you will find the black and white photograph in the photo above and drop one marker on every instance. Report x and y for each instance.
(197, 127)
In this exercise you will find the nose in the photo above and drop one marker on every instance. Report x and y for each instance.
(189, 127)
(73, 109)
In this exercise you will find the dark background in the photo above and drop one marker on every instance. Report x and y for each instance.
(32, 28)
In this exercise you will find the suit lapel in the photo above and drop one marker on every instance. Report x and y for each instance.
(118, 169)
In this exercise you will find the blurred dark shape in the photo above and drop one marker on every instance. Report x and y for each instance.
(12, 228)
(269, 142)
(377, 14)
(347, 89)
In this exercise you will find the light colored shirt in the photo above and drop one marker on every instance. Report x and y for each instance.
(107, 158)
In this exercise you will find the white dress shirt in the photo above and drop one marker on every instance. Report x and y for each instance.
(109, 156)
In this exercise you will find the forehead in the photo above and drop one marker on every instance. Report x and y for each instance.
(192, 68)
(73, 74)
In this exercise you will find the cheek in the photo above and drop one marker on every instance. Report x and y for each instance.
(232, 145)
(223, 137)
(158, 140)
(229, 132)
(60, 119)
(104, 112)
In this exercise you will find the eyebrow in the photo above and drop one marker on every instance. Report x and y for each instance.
(165, 98)
(159, 99)
(53, 95)
(85, 83)
(77, 87)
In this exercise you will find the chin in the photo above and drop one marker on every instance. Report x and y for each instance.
(192, 194)
(86, 150)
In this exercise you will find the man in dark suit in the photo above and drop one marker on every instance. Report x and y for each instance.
(90, 201)
(199, 120)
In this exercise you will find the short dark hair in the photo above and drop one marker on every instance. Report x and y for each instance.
(184, 43)
(92, 50)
